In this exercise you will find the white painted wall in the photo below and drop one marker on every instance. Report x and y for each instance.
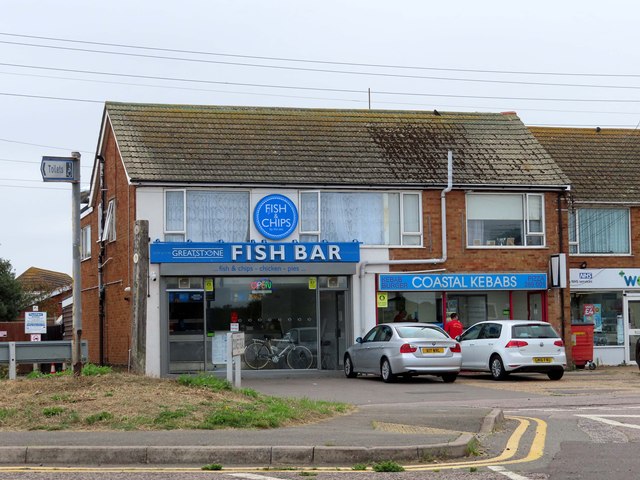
(149, 206)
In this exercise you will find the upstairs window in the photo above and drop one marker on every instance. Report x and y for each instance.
(373, 218)
(599, 231)
(206, 216)
(85, 246)
(109, 232)
(505, 220)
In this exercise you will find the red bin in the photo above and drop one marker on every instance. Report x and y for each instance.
(582, 344)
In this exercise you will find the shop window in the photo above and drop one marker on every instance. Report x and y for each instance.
(373, 218)
(505, 220)
(599, 231)
(85, 248)
(604, 311)
(206, 216)
(412, 307)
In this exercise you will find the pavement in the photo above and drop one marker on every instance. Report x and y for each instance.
(404, 432)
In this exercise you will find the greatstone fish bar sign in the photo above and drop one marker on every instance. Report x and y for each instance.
(191, 252)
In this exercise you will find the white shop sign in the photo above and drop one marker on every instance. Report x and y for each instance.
(604, 278)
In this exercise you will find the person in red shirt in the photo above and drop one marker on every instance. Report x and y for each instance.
(453, 326)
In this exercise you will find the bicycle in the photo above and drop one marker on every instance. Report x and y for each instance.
(260, 352)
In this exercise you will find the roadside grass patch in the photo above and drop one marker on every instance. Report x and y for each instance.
(359, 466)
(212, 466)
(107, 400)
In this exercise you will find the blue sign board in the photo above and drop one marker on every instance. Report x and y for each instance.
(462, 281)
(190, 252)
(275, 217)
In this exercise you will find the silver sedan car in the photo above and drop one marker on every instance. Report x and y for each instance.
(405, 348)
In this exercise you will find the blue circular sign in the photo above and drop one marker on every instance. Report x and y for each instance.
(275, 217)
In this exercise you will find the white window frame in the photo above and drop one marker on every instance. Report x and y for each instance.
(316, 231)
(85, 245)
(182, 232)
(525, 211)
(109, 232)
(402, 232)
(576, 243)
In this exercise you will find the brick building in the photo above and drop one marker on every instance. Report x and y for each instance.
(320, 223)
(603, 166)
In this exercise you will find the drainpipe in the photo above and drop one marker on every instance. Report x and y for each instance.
(101, 261)
(428, 261)
(561, 249)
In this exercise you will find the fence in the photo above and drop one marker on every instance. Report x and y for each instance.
(60, 351)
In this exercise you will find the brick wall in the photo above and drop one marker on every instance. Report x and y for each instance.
(117, 268)
(461, 259)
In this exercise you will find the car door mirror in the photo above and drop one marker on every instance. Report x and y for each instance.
(458, 338)
(359, 340)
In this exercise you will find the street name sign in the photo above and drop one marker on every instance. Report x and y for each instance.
(59, 169)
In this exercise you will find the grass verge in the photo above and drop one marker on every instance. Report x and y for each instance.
(106, 400)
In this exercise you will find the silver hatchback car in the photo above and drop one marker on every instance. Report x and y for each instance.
(405, 348)
(508, 346)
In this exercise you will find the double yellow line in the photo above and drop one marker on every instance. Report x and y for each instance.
(536, 451)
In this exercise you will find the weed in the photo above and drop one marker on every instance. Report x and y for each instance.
(212, 466)
(167, 418)
(108, 394)
(308, 474)
(61, 398)
(388, 466)
(208, 381)
(98, 417)
(473, 469)
(6, 413)
(473, 448)
(359, 466)
(90, 370)
(52, 411)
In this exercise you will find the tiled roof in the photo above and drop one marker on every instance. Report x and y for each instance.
(230, 145)
(38, 279)
(602, 164)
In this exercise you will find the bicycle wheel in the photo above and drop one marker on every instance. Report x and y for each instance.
(256, 355)
(300, 357)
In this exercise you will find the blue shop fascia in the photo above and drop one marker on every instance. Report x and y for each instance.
(272, 289)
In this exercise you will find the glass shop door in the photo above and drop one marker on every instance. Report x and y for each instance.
(186, 331)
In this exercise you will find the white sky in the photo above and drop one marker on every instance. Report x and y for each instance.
(542, 37)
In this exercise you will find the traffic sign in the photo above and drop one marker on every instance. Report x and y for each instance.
(60, 169)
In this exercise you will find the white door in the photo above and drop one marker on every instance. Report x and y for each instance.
(633, 323)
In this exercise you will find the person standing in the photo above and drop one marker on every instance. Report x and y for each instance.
(453, 326)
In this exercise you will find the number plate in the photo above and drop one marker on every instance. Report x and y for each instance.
(542, 360)
(432, 350)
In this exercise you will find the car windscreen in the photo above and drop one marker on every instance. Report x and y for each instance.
(420, 332)
(533, 330)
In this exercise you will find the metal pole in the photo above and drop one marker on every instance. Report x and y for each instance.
(77, 299)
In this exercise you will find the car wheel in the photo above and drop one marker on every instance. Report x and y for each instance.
(348, 367)
(385, 371)
(497, 368)
(555, 374)
(449, 377)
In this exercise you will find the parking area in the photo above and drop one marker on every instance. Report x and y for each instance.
(364, 390)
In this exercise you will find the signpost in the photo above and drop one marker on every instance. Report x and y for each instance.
(67, 169)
